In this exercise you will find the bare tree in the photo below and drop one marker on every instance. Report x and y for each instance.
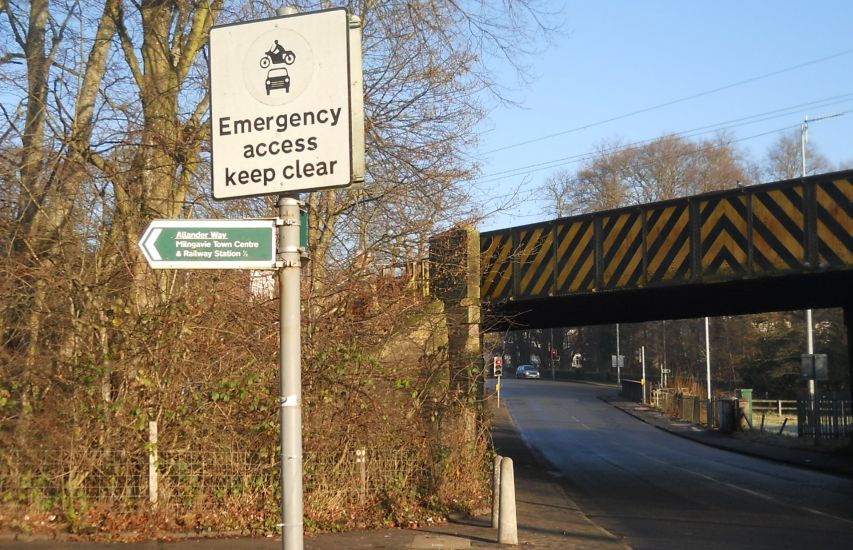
(666, 168)
(100, 145)
(785, 158)
(426, 75)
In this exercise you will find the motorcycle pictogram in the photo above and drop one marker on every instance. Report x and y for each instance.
(276, 55)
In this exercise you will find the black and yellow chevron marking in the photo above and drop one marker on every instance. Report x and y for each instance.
(668, 244)
(535, 261)
(784, 228)
(575, 256)
(622, 249)
(835, 222)
(778, 230)
(496, 266)
(723, 234)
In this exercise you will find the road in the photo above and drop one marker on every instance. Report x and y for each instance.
(660, 491)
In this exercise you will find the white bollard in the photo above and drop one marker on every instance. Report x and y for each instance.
(507, 526)
(496, 491)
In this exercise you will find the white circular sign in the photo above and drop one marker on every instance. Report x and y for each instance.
(278, 66)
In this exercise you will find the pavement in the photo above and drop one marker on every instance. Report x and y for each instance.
(547, 518)
(815, 459)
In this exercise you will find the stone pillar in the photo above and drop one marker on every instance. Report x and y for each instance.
(455, 280)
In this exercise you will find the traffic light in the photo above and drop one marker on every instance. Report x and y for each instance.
(553, 354)
(498, 366)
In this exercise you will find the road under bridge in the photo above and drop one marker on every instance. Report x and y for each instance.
(780, 246)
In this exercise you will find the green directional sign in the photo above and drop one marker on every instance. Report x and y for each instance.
(210, 244)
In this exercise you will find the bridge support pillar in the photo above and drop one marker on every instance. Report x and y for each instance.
(455, 280)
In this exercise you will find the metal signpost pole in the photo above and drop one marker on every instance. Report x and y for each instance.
(498, 390)
(618, 360)
(290, 365)
(708, 359)
(551, 353)
(665, 370)
(710, 406)
(290, 370)
(251, 104)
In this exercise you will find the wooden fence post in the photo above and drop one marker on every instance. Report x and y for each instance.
(152, 462)
(361, 460)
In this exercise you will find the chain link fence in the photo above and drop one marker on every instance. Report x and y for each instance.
(188, 478)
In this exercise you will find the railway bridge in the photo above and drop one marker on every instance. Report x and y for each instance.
(779, 246)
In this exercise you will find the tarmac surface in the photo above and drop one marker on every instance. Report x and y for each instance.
(829, 462)
(546, 517)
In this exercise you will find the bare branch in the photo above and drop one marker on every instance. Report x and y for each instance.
(127, 46)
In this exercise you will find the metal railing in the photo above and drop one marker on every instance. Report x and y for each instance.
(825, 416)
(775, 406)
(674, 402)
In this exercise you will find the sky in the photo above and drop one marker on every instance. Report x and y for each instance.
(637, 70)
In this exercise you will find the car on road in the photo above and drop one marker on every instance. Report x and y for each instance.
(278, 78)
(526, 371)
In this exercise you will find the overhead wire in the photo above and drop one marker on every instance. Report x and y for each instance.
(581, 157)
(672, 102)
(726, 125)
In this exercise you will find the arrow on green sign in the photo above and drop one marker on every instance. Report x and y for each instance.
(209, 244)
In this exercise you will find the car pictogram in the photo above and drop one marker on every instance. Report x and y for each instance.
(276, 79)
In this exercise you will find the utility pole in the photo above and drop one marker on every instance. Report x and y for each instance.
(804, 138)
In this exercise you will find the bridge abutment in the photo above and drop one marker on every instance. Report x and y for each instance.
(455, 280)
